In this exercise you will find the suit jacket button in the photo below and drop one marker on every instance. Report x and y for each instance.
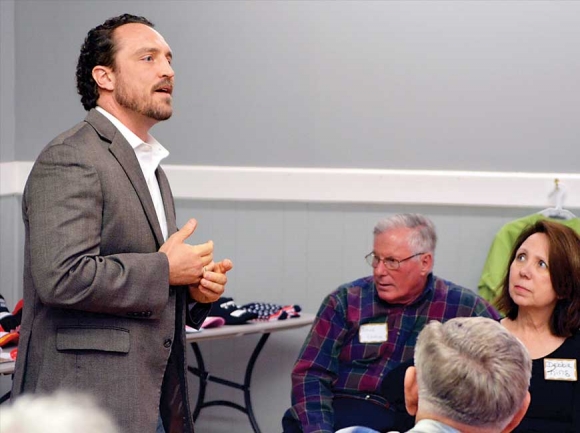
(167, 343)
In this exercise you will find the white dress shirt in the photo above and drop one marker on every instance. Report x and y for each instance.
(149, 154)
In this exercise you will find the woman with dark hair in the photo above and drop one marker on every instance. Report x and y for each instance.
(540, 298)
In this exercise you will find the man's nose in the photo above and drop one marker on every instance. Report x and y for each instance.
(381, 268)
(167, 70)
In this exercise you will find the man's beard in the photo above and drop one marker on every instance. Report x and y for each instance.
(151, 110)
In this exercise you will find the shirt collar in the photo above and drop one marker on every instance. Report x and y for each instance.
(131, 138)
(426, 291)
(434, 426)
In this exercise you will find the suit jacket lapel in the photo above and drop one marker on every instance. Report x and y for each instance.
(126, 157)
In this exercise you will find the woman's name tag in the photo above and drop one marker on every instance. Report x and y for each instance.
(560, 369)
(373, 333)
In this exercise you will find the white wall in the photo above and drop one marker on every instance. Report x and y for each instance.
(448, 85)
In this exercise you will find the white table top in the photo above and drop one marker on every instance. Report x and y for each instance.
(226, 331)
(229, 331)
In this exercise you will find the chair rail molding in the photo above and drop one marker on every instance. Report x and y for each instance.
(351, 185)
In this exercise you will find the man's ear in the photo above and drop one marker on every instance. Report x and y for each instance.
(411, 391)
(519, 414)
(104, 77)
(426, 263)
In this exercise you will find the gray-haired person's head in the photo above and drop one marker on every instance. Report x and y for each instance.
(62, 412)
(473, 371)
(423, 237)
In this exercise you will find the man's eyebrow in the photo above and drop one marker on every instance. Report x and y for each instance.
(146, 50)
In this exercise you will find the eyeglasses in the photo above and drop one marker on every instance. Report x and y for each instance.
(389, 262)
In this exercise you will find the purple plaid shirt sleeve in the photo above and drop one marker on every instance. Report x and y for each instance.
(317, 369)
(333, 360)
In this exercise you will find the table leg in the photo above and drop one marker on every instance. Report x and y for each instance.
(200, 372)
(205, 377)
(5, 397)
(248, 379)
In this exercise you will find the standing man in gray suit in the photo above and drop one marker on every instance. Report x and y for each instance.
(109, 282)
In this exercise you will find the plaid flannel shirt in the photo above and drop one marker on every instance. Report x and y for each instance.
(333, 360)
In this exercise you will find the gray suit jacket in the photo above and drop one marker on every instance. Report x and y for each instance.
(99, 315)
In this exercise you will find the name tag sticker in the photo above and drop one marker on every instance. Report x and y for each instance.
(373, 333)
(560, 369)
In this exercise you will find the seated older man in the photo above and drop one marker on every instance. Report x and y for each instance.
(351, 367)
